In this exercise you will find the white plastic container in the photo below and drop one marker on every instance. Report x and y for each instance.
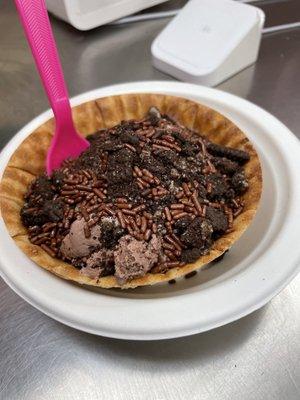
(88, 14)
(209, 41)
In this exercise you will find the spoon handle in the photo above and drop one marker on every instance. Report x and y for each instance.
(36, 24)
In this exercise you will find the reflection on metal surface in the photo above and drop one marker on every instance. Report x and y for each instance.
(278, 28)
(254, 358)
(241, 84)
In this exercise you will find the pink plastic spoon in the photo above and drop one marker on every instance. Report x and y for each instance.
(66, 143)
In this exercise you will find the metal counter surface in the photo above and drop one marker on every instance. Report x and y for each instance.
(255, 358)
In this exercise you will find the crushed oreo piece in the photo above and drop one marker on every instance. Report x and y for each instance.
(239, 182)
(217, 218)
(225, 166)
(197, 234)
(191, 255)
(239, 156)
(111, 232)
(218, 186)
(182, 224)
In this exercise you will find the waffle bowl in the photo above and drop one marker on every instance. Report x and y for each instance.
(28, 161)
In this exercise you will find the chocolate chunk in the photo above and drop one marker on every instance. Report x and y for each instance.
(217, 218)
(32, 218)
(154, 116)
(182, 223)
(130, 138)
(57, 178)
(198, 233)
(42, 186)
(53, 210)
(228, 152)
(225, 166)
(218, 186)
(191, 255)
(154, 112)
(239, 182)
(110, 232)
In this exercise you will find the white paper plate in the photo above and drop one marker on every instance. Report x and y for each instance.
(263, 261)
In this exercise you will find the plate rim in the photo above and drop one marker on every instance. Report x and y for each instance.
(167, 87)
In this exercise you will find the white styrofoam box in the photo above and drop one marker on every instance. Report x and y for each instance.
(88, 14)
(209, 41)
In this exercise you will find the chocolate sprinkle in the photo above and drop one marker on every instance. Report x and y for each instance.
(190, 274)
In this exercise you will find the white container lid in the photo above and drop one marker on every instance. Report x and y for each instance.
(209, 41)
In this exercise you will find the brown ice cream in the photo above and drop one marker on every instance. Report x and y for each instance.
(92, 273)
(134, 258)
(99, 263)
(100, 258)
(75, 244)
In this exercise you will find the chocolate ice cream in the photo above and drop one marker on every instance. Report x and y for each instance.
(100, 263)
(134, 258)
(76, 244)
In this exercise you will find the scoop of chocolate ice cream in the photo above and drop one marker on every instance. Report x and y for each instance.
(100, 263)
(134, 258)
(101, 258)
(75, 244)
(92, 273)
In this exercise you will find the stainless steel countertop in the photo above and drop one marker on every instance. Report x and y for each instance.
(256, 358)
